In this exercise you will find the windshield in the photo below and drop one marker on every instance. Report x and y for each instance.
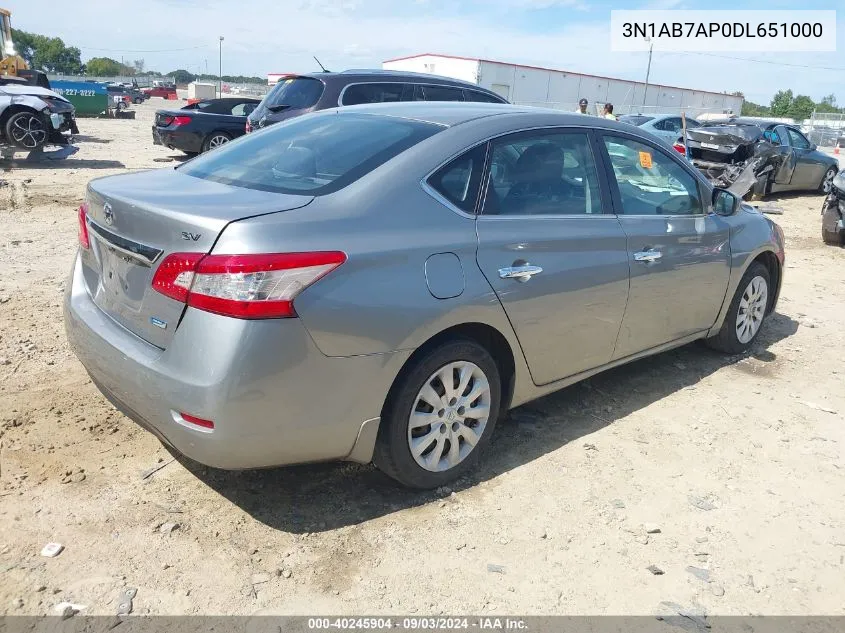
(635, 119)
(316, 154)
(294, 92)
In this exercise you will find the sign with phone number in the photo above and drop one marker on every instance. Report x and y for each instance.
(87, 98)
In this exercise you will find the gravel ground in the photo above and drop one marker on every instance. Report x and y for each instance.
(724, 473)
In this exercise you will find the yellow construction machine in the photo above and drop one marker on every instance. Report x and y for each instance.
(10, 62)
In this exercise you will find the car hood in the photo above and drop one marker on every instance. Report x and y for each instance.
(31, 91)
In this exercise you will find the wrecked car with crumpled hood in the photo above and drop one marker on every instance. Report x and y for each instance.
(748, 156)
(32, 116)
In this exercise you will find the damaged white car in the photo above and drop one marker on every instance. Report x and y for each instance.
(32, 117)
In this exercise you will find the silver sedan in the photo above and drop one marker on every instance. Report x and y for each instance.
(381, 283)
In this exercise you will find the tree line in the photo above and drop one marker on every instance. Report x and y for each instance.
(785, 104)
(51, 55)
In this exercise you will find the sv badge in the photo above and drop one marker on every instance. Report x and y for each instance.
(191, 237)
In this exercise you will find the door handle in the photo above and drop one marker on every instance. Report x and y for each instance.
(647, 256)
(520, 273)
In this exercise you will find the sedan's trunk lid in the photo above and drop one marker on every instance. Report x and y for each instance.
(135, 221)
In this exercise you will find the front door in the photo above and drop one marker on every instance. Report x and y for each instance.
(809, 170)
(679, 252)
(553, 251)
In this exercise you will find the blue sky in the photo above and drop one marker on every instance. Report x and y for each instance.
(264, 36)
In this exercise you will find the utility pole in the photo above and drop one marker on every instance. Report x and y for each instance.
(648, 69)
(220, 75)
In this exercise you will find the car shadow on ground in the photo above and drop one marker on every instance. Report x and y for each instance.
(179, 158)
(318, 497)
(68, 163)
(83, 138)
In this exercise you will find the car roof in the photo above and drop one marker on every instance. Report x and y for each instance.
(451, 113)
(358, 75)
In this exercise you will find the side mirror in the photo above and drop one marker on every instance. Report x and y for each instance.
(724, 202)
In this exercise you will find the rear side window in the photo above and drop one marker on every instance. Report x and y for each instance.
(460, 180)
(295, 92)
(355, 94)
(482, 97)
(314, 155)
(442, 93)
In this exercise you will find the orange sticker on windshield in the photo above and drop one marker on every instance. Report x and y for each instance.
(645, 159)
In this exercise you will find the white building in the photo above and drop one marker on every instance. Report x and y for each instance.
(561, 89)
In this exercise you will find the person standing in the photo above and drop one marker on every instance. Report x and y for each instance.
(582, 107)
(607, 113)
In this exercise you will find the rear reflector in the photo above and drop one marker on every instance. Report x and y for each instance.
(243, 286)
(84, 240)
(190, 419)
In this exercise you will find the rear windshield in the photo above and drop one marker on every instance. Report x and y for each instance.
(635, 119)
(294, 92)
(314, 155)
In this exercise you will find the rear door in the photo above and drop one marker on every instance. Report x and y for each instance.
(552, 251)
(678, 251)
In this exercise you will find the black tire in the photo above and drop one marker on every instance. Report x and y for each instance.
(827, 180)
(393, 452)
(27, 130)
(727, 339)
(215, 140)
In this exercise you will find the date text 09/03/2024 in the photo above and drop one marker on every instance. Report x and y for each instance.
(418, 624)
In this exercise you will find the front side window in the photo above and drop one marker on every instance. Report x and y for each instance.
(313, 155)
(372, 93)
(651, 183)
(796, 139)
(442, 93)
(460, 179)
(542, 173)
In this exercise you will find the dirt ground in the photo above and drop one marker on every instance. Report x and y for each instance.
(738, 462)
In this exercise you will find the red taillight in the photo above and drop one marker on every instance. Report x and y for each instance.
(175, 273)
(191, 419)
(84, 240)
(248, 126)
(181, 120)
(165, 120)
(679, 147)
(243, 286)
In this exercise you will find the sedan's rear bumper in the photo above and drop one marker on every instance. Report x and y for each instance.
(183, 140)
(274, 398)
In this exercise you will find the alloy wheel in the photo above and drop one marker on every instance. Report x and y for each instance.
(827, 183)
(28, 131)
(449, 416)
(217, 140)
(752, 309)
